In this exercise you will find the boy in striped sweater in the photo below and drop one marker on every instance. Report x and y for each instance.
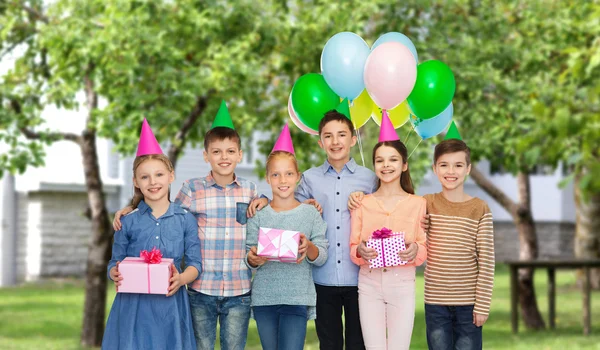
(459, 275)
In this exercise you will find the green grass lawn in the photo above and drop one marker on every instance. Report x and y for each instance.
(48, 316)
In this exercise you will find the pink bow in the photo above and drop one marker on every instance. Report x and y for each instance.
(151, 257)
(384, 232)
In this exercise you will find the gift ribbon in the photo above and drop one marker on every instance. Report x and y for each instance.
(151, 257)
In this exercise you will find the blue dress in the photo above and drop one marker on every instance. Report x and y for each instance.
(152, 321)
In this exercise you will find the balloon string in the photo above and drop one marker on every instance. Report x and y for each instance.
(409, 132)
(413, 151)
(360, 147)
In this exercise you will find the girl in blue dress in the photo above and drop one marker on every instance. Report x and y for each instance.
(153, 321)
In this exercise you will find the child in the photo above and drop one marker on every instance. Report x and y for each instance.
(151, 321)
(460, 271)
(387, 295)
(219, 202)
(331, 184)
(283, 294)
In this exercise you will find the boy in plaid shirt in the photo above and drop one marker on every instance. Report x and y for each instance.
(219, 202)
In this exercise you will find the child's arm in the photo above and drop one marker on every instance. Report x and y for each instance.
(192, 252)
(302, 192)
(253, 261)
(421, 236)
(318, 244)
(119, 252)
(486, 263)
(355, 238)
(184, 197)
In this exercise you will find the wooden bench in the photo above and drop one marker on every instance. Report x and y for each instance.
(551, 266)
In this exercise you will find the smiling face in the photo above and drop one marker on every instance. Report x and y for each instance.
(452, 169)
(282, 174)
(337, 140)
(388, 164)
(223, 156)
(153, 178)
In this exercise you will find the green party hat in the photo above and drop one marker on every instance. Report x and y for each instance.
(452, 132)
(344, 108)
(223, 118)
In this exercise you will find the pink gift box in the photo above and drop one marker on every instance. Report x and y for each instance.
(278, 245)
(141, 277)
(387, 250)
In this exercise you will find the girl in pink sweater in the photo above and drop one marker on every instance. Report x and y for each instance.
(387, 295)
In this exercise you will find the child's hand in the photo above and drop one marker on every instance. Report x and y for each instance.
(410, 253)
(478, 319)
(355, 200)
(366, 252)
(302, 248)
(117, 220)
(425, 223)
(254, 259)
(115, 275)
(314, 203)
(256, 205)
(175, 280)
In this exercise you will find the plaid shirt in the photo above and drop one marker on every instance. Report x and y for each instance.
(223, 240)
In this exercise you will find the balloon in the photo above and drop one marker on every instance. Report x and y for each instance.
(398, 115)
(312, 98)
(398, 38)
(427, 128)
(361, 109)
(433, 90)
(390, 74)
(296, 121)
(343, 63)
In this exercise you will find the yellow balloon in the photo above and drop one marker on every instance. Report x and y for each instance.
(398, 115)
(361, 109)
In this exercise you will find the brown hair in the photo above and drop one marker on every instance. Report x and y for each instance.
(137, 193)
(405, 179)
(281, 154)
(334, 115)
(220, 133)
(451, 146)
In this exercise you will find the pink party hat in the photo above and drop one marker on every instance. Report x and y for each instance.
(148, 143)
(387, 131)
(284, 141)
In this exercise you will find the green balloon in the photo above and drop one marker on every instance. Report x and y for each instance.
(433, 90)
(312, 98)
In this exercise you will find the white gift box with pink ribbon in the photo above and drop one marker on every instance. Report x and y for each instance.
(387, 244)
(278, 245)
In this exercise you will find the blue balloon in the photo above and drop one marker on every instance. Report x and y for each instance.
(427, 128)
(343, 64)
(397, 38)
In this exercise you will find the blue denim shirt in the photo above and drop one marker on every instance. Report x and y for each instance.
(175, 234)
(332, 189)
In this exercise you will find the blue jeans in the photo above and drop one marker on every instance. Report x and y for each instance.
(281, 327)
(452, 328)
(233, 314)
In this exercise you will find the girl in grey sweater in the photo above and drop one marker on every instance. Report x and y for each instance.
(283, 294)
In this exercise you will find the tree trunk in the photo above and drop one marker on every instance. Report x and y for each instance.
(179, 141)
(99, 247)
(523, 218)
(587, 230)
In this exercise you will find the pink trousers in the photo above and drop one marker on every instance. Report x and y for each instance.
(386, 299)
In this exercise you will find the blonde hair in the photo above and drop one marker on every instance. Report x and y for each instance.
(137, 193)
(281, 154)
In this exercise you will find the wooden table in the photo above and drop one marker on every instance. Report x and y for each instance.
(551, 266)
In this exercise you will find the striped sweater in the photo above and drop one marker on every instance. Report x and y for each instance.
(460, 253)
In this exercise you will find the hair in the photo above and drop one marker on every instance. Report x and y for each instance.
(220, 133)
(451, 146)
(137, 193)
(281, 154)
(334, 115)
(405, 179)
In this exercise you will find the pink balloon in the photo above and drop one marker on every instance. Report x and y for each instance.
(390, 74)
(297, 121)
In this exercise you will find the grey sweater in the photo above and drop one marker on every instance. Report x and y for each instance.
(277, 283)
